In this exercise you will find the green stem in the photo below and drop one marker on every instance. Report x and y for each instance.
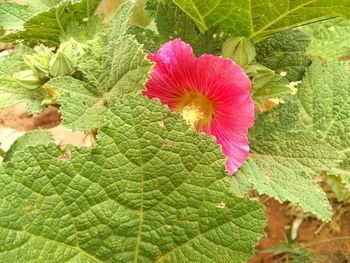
(2, 153)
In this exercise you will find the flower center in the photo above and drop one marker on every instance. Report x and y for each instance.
(192, 114)
(196, 109)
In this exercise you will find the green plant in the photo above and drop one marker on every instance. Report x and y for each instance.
(152, 189)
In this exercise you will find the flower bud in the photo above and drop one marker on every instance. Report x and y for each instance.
(27, 79)
(271, 91)
(60, 64)
(239, 49)
(260, 75)
(72, 49)
(39, 62)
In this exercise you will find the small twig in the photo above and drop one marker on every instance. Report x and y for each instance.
(320, 228)
(312, 243)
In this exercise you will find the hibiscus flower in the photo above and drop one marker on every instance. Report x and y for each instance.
(212, 93)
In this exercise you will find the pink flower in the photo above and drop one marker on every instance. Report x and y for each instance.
(211, 92)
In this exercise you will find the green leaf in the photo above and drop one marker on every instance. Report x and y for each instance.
(303, 138)
(273, 91)
(13, 15)
(81, 104)
(324, 96)
(50, 26)
(31, 138)
(115, 63)
(344, 173)
(274, 176)
(12, 92)
(42, 5)
(150, 39)
(283, 160)
(85, 30)
(330, 39)
(285, 52)
(151, 7)
(257, 19)
(171, 22)
(339, 189)
(148, 192)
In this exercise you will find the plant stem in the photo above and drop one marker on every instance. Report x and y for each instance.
(2, 153)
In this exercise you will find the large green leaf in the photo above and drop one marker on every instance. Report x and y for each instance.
(48, 27)
(13, 15)
(11, 91)
(325, 99)
(283, 159)
(152, 190)
(302, 138)
(259, 18)
(330, 39)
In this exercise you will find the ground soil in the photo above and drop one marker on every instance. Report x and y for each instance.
(15, 121)
(17, 118)
(326, 243)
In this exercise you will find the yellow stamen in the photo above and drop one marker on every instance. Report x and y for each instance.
(192, 114)
(196, 109)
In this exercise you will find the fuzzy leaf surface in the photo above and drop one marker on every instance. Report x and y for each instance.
(31, 138)
(284, 159)
(285, 52)
(324, 96)
(115, 63)
(145, 193)
(171, 22)
(330, 39)
(11, 92)
(149, 38)
(81, 104)
(256, 19)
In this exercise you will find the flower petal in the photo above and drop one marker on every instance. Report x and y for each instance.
(220, 81)
(230, 129)
(169, 77)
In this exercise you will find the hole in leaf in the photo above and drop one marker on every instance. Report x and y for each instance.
(65, 155)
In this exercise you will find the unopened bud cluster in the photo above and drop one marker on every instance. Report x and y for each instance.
(240, 50)
(44, 64)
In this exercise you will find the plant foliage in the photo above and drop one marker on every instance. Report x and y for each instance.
(151, 189)
(146, 193)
